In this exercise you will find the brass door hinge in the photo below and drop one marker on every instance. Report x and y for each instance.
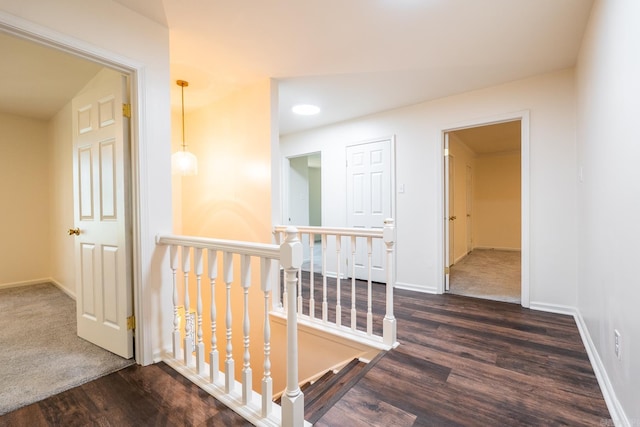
(131, 323)
(446, 270)
(126, 110)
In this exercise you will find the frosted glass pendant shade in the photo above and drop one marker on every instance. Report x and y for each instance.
(184, 163)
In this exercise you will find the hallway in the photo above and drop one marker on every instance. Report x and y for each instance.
(461, 362)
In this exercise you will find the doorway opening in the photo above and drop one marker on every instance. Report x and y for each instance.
(483, 208)
(35, 49)
(305, 199)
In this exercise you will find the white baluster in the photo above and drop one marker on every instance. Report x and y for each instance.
(229, 365)
(312, 299)
(212, 263)
(275, 300)
(267, 384)
(353, 283)
(245, 279)
(197, 267)
(369, 263)
(325, 306)
(188, 342)
(389, 323)
(338, 262)
(293, 398)
(300, 282)
(173, 257)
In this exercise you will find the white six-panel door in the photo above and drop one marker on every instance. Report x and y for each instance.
(103, 267)
(369, 196)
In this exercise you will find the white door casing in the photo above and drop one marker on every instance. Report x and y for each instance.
(524, 118)
(369, 201)
(103, 262)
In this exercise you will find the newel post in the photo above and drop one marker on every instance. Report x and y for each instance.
(389, 322)
(293, 398)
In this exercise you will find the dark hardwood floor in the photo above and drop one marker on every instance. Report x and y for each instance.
(461, 362)
(470, 362)
(153, 395)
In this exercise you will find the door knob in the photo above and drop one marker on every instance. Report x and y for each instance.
(73, 231)
(451, 218)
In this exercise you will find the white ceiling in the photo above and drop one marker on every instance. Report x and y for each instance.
(358, 57)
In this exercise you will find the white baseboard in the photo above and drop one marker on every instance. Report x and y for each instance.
(553, 308)
(416, 288)
(497, 248)
(60, 286)
(25, 283)
(616, 411)
(613, 404)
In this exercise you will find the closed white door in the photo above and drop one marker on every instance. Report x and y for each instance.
(369, 172)
(448, 227)
(469, 190)
(103, 266)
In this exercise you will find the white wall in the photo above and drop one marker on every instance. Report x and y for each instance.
(418, 130)
(108, 30)
(24, 196)
(609, 204)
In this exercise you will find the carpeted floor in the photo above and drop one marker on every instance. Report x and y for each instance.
(41, 353)
(489, 274)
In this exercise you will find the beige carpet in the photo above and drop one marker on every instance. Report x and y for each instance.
(489, 274)
(41, 353)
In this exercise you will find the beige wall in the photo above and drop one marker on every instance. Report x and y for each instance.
(24, 191)
(62, 267)
(497, 208)
(39, 204)
(230, 198)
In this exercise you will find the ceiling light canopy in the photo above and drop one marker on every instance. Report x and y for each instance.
(306, 109)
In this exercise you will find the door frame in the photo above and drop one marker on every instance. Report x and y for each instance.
(135, 72)
(523, 117)
(286, 185)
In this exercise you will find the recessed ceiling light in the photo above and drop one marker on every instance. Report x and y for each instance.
(306, 109)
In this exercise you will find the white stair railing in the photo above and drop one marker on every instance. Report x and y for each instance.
(187, 334)
(361, 244)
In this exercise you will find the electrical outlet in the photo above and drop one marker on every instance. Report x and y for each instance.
(618, 343)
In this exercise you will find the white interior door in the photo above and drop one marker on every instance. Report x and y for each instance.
(103, 267)
(469, 197)
(369, 201)
(447, 209)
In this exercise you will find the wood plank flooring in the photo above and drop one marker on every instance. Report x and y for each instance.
(471, 362)
(461, 362)
(153, 395)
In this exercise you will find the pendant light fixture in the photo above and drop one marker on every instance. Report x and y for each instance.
(184, 162)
